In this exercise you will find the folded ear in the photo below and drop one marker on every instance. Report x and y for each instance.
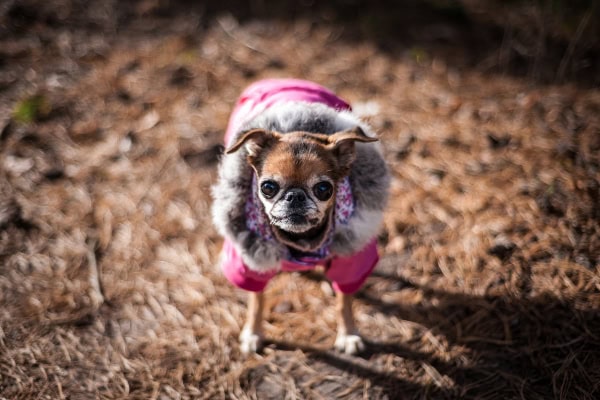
(341, 144)
(255, 141)
(355, 134)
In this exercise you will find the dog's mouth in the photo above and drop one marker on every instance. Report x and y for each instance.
(295, 223)
(298, 220)
(308, 240)
(310, 234)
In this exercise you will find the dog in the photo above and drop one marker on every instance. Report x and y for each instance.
(302, 183)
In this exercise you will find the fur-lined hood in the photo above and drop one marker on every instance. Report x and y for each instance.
(369, 180)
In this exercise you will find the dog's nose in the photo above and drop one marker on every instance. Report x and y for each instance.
(295, 196)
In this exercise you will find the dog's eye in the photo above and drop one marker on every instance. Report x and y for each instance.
(323, 190)
(269, 188)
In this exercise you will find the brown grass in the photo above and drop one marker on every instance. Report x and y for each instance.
(489, 286)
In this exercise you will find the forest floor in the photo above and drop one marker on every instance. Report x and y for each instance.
(112, 115)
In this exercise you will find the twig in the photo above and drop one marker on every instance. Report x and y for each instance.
(59, 387)
(228, 24)
(540, 46)
(96, 294)
(158, 176)
(505, 48)
(572, 44)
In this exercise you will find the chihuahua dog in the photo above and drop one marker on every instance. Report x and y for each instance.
(301, 184)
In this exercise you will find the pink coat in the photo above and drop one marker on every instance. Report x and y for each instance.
(346, 273)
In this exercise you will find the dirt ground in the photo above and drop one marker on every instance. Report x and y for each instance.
(111, 118)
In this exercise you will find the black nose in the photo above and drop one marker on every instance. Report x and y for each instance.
(295, 196)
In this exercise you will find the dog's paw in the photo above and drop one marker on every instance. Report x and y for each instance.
(250, 342)
(349, 344)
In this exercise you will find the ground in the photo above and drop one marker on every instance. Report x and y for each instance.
(111, 118)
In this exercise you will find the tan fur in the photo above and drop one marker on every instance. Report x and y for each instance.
(255, 311)
(348, 340)
(251, 335)
(297, 171)
(328, 154)
(345, 319)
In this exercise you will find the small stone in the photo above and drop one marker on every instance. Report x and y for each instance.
(181, 77)
(502, 248)
(498, 141)
(283, 307)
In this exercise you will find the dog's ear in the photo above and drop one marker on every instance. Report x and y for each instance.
(341, 144)
(255, 141)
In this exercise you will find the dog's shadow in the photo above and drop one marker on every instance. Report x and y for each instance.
(527, 347)
(388, 381)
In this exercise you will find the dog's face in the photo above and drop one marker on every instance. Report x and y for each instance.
(297, 175)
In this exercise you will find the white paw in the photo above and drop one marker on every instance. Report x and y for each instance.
(250, 342)
(349, 344)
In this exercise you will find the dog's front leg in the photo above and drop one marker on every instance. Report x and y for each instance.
(348, 340)
(251, 335)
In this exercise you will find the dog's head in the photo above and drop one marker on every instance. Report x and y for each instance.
(297, 175)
